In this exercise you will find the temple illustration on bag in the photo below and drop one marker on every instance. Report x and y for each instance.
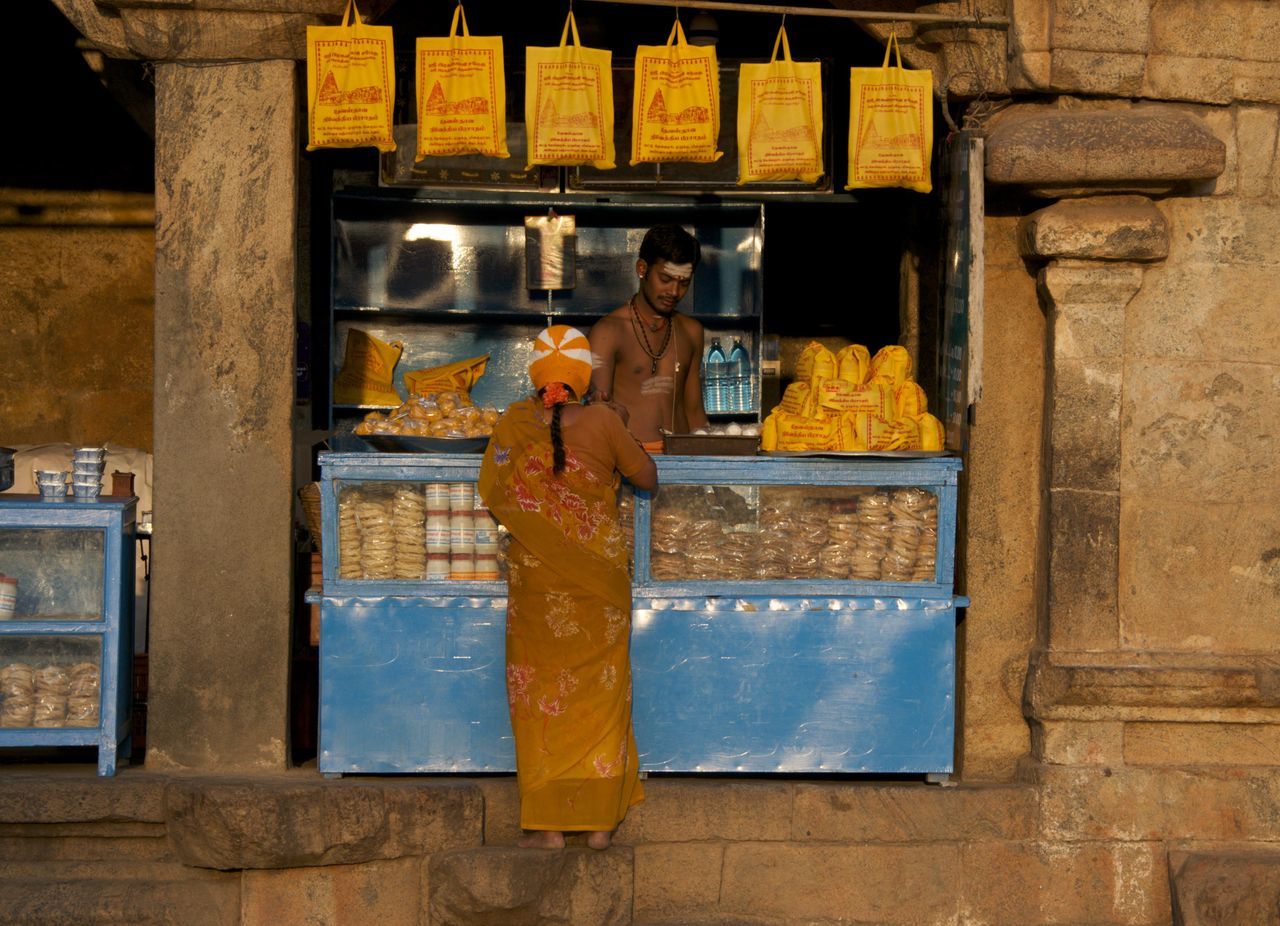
(549, 115)
(438, 105)
(330, 95)
(872, 137)
(657, 112)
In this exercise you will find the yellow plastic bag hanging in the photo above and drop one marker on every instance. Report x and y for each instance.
(890, 125)
(675, 113)
(367, 368)
(462, 94)
(568, 103)
(351, 85)
(780, 118)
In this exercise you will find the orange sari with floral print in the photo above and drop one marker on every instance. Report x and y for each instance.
(568, 619)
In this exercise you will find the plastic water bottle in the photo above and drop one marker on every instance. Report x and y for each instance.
(740, 377)
(713, 381)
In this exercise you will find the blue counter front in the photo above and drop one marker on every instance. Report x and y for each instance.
(734, 668)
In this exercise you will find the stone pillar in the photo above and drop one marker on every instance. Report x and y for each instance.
(226, 172)
(1086, 307)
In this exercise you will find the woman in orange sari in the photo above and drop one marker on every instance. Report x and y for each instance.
(550, 476)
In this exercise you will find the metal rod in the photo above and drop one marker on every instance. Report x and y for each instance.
(860, 15)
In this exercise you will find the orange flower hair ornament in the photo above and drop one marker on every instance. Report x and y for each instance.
(554, 394)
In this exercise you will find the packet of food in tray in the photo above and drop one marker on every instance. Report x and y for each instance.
(458, 376)
(367, 369)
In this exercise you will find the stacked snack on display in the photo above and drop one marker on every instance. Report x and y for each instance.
(49, 695)
(410, 531)
(886, 535)
(851, 401)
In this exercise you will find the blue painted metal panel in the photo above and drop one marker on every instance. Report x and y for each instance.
(112, 636)
(408, 687)
(739, 687)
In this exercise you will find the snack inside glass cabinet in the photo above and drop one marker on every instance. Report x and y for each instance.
(859, 533)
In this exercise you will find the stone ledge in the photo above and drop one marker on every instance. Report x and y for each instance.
(31, 797)
(282, 823)
(1127, 228)
(1146, 686)
(1076, 152)
(76, 901)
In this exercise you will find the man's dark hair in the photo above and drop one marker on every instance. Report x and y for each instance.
(670, 243)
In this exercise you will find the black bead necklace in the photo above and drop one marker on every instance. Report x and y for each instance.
(643, 338)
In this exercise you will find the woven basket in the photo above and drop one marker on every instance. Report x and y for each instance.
(309, 495)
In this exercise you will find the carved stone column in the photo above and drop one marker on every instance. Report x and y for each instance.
(226, 155)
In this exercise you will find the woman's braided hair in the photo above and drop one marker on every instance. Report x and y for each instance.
(554, 396)
(557, 442)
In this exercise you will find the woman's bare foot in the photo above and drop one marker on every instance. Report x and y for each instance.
(542, 839)
(599, 839)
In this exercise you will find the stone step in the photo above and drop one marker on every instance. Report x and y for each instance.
(530, 887)
(37, 845)
(203, 899)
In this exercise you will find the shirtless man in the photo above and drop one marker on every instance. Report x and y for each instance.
(646, 356)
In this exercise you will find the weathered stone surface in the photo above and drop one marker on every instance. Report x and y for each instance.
(42, 798)
(1142, 804)
(76, 311)
(1201, 315)
(1222, 123)
(677, 883)
(1028, 884)
(1179, 77)
(1084, 537)
(1234, 234)
(1213, 888)
(280, 824)
(1107, 228)
(1256, 139)
(885, 813)
(1145, 149)
(523, 887)
(501, 810)
(200, 900)
(1200, 576)
(226, 188)
(841, 883)
(1201, 744)
(386, 893)
(25, 843)
(1103, 25)
(682, 810)
(1066, 742)
(1193, 28)
(1204, 431)
(1099, 72)
(246, 30)
(1003, 515)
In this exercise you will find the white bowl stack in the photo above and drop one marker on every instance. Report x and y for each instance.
(88, 464)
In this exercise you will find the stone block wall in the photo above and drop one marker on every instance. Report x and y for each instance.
(76, 297)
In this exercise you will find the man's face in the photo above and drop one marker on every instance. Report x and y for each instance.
(663, 284)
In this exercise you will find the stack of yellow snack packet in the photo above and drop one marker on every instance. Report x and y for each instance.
(852, 401)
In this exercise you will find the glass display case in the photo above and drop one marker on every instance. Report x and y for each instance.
(790, 614)
(66, 620)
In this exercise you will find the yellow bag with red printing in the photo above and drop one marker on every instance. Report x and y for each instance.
(462, 94)
(568, 103)
(851, 401)
(780, 118)
(351, 85)
(675, 113)
(890, 125)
